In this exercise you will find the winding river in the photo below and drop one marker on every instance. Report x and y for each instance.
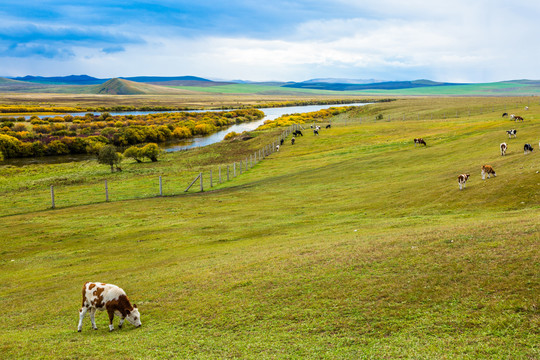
(200, 141)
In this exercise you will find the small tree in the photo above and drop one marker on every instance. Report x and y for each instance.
(134, 152)
(151, 151)
(108, 155)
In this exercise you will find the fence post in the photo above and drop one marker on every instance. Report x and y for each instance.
(220, 174)
(200, 176)
(106, 191)
(227, 172)
(211, 185)
(160, 186)
(52, 196)
(240, 167)
(234, 169)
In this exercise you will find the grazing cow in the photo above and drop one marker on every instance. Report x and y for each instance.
(462, 179)
(505, 114)
(277, 147)
(504, 147)
(487, 169)
(297, 133)
(315, 131)
(517, 117)
(526, 108)
(419, 141)
(100, 296)
(512, 116)
(527, 148)
(328, 126)
(292, 140)
(511, 133)
(281, 142)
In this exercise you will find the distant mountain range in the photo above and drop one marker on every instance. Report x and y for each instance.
(84, 84)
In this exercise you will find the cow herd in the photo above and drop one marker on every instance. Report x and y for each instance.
(488, 169)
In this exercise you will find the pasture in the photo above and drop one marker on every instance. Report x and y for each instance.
(352, 244)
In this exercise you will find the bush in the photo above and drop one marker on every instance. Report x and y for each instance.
(134, 152)
(151, 151)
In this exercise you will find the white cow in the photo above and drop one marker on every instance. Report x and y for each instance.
(100, 296)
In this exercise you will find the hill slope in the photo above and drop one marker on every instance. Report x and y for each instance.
(118, 86)
(351, 244)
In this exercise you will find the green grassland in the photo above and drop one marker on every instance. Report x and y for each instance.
(512, 88)
(350, 245)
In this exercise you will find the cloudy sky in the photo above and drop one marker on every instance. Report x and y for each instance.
(444, 40)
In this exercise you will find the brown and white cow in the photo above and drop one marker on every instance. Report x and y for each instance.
(462, 179)
(100, 296)
(487, 169)
(504, 147)
(419, 141)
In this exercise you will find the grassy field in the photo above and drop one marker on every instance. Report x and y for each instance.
(350, 245)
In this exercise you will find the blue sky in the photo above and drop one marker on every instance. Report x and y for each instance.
(450, 40)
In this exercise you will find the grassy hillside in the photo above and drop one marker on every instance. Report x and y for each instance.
(352, 244)
(126, 87)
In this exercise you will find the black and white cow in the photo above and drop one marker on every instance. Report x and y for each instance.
(527, 148)
(511, 133)
(504, 147)
(292, 140)
(462, 179)
(100, 296)
(419, 141)
(505, 114)
(297, 133)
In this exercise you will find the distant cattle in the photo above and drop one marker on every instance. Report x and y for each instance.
(526, 108)
(517, 117)
(292, 141)
(527, 148)
(504, 147)
(462, 179)
(277, 147)
(511, 133)
(505, 115)
(315, 131)
(487, 169)
(100, 296)
(328, 126)
(281, 142)
(419, 141)
(297, 133)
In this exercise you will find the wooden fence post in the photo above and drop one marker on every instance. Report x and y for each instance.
(220, 174)
(227, 172)
(52, 196)
(211, 185)
(200, 177)
(106, 191)
(160, 186)
(240, 167)
(193, 182)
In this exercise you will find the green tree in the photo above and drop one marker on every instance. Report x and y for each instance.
(107, 155)
(151, 151)
(134, 152)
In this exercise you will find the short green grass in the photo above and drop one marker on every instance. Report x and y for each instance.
(350, 245)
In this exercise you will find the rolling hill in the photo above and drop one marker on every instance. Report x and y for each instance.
(118, 86)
